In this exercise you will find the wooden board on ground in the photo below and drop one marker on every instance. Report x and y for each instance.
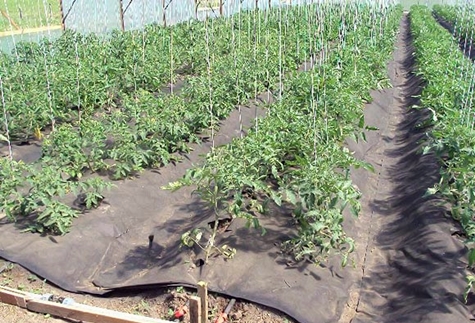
(75, 311)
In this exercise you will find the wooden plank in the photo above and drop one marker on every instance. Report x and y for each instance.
(8, 289)
(203, 295)
(12, 297)
(195, 309)
(26, 295)
(74, 311)
(87, 313)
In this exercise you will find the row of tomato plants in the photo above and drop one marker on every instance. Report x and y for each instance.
(47, 83)
(144, 127)
(296, 156)
(460, 17)
(149, 127)
(442, 65)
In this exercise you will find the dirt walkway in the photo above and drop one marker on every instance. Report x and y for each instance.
(411, 267)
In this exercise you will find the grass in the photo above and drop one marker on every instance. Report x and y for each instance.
(26, 14)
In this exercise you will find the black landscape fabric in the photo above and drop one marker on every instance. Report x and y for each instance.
(406, 267)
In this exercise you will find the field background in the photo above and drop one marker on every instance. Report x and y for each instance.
(29, 14)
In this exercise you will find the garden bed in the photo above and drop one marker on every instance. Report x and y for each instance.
(133, 238)
(320, 146)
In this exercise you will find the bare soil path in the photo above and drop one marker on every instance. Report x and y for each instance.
(413, 268)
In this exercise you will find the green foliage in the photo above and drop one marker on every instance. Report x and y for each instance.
(295, 155)
(30, 13)
(452, 137)
(56, 217)
(28, 191)
(212, 190)
(460, 17)
(441, 63)
(90, 192)
(98, 105)
(469, 287)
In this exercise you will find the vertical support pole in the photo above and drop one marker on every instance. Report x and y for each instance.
(196, 9)
(221, 7)
(171, 60)
(10, 20)
(270, 4)
(195, 309)
(164, 16)
(122, 24)
(61, 10)
(257, 4)
(203, 295)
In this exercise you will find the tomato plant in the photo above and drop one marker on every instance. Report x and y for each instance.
(295, 155)
(452, 136)
(97, 104)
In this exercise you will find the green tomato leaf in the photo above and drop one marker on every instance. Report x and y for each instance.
(471, 257)
(276, 198)
(291, 197)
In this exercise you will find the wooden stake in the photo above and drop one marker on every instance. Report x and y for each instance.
(195, 310)
(121, 16)
(61, 10)
(203, 295)
(196, 9)
(221, 7)
(164, 16)
(10, 20)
